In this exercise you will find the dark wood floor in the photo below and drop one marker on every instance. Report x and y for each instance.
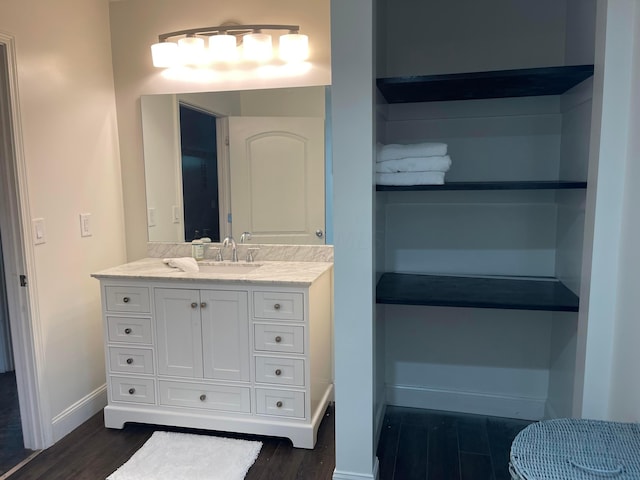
(12, 450)
(92, 452)
(415, 444)
(434, 445)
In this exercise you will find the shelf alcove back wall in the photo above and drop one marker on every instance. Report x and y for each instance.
(490, 232)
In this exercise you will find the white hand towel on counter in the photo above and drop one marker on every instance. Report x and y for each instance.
(410, 178)
(186, 264)
(415, 164)
(396, 151)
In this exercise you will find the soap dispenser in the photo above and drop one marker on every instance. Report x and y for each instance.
(197, 249)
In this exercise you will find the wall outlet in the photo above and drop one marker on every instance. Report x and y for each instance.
(85, 224)
(151, 217)
(39, 233)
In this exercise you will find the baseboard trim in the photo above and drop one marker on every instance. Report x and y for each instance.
(78, 413)
(337, 475)
(526, 408)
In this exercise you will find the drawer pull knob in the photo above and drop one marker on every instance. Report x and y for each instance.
(278, 372)
(203, 305)
(203, 397)
(132, 391)
(278, 339)
(276, 306)
(126, 299)
(194, 305)
(127, 331)
(129, 361)
(279, 404)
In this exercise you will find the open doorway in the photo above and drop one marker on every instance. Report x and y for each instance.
(199, 152)
(11, 436)
(12, 452)
(21, 416)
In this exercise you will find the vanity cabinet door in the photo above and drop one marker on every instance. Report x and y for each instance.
(179, 332)
(225, 334)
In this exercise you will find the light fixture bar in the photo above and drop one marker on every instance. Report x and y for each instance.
(227, 44)
(230, 29)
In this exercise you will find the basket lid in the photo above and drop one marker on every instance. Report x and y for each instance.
(577, 449)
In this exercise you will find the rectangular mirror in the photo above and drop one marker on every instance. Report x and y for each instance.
(226, 163)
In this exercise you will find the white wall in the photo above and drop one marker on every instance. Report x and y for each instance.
(625, 386)
(161, 140)
(486, 361)
(286, 102)
(136, 24)
(66, 100)
(610, 133)
(353, 137)
(424, 38)
(580, 32)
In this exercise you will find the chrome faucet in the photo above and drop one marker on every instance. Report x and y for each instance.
(234, 252)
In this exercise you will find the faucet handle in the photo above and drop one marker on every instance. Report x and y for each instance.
(245, 237)
(218, 254)
(251, 254)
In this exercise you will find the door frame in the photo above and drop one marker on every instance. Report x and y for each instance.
(19, 259)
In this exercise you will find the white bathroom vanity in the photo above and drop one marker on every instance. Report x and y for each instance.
(243, 350)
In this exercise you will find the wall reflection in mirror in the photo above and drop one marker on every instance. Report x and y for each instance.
(225, 163)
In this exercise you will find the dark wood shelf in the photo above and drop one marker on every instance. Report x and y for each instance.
(477, 292)
(534, 185)
(527, 82)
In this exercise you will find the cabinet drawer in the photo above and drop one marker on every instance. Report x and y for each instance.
(129, 330)
(283, 403)
(131, 360)
(283, 371)
(278, 305)
(209, 397)
(128, 299)
(137, 390)
(278, 338)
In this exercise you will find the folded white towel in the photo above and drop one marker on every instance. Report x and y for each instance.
(186, 264)
(416, 164)
(395, 151)
(410, 178)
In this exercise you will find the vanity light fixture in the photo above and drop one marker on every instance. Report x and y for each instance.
(228, 43)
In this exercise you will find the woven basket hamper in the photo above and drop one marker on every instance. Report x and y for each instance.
(575, 449)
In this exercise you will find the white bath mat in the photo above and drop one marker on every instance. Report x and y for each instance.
(176, 456)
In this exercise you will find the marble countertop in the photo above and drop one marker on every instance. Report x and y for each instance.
(279, 273)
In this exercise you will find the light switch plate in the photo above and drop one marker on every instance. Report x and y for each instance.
(39, 232)
(176, 214)
(85, 224)
(151, 217)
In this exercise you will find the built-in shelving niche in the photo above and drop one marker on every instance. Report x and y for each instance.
(526, 293)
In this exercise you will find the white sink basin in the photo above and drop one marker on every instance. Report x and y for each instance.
(230, 268)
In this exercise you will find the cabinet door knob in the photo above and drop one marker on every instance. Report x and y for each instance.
(278, 339)
(203, 304)
(129, 361)
(126, 299)
(278, 372)
(127, 331)
(276, 306)
(279, 404)
(132, 391)
(194, 305)
(203, 397)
